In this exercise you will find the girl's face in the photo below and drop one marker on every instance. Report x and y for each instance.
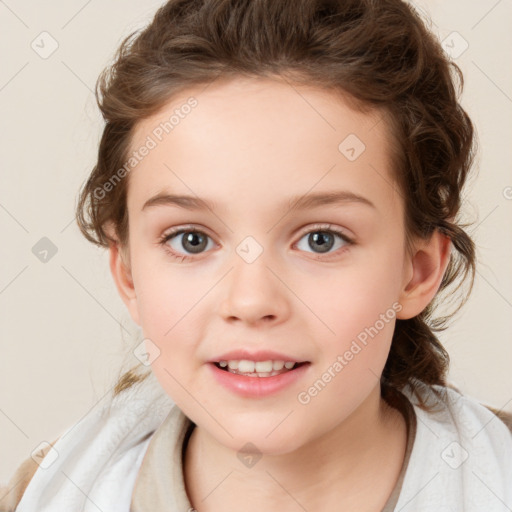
(320, 282)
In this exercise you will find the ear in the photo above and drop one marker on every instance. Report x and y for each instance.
(121, 272)
(425, 271)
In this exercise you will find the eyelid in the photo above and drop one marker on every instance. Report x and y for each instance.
(326, 226)
(186, 227)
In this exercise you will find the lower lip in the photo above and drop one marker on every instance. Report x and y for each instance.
(257, 387)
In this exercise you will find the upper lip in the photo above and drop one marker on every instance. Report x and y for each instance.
(260, 355)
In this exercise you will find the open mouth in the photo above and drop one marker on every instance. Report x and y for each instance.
(285, 368)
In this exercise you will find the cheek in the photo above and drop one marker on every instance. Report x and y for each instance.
(173, 310)
(164, 294)
(353, 339)
(357, 305)
(168, 309)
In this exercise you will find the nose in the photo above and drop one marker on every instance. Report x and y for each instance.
(254, 294)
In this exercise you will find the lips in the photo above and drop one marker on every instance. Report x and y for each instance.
(256, 386)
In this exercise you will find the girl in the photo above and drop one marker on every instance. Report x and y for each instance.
(278, 184)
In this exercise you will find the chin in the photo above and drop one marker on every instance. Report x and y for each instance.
(254, 440)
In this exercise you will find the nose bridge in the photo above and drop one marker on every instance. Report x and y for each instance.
(253, 292)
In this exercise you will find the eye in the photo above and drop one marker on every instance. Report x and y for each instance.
(194, 242)
(323, 238)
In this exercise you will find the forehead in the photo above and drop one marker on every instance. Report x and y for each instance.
(258, 139)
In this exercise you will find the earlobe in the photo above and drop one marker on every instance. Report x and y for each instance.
(121, 273)
(429, 264)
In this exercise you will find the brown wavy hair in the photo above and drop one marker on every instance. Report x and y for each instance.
(380, 52)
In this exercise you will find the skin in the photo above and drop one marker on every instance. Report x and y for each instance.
(249, 146)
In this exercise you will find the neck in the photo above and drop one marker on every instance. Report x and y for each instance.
(343, 468)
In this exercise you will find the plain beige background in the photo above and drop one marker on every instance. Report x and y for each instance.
(64, 331)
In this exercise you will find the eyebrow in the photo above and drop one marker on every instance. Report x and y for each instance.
(303, 202)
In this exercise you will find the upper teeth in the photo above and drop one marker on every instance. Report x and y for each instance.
(247, 366)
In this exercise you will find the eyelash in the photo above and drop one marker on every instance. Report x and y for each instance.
(324, 228)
